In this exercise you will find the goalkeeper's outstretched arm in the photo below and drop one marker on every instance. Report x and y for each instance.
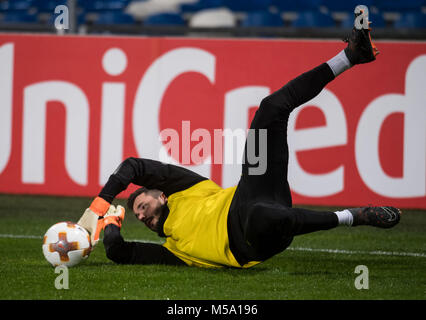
(143, 172)
(132, 252)
(151, 174)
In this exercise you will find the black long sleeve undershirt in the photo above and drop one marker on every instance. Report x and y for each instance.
(131, 252)
(151, 174)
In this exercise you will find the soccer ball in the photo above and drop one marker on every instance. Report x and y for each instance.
(66, 243)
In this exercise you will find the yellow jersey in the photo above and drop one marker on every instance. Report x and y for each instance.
(196, 228)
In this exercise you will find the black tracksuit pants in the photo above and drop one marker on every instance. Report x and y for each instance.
(261, 220)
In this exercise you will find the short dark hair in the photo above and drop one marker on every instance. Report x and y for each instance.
(132, 197)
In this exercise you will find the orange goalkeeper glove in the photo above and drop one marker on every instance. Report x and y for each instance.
(114, 216)
(92, 219)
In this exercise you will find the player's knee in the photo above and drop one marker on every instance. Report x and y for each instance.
(274, 107)
(268, 104)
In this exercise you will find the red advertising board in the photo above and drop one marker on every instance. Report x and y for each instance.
(74, 107)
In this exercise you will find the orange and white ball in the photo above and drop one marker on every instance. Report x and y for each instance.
(66, 243)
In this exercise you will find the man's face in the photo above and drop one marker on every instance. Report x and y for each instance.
(148, 209)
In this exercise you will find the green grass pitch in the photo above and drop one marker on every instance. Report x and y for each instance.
(318, 266)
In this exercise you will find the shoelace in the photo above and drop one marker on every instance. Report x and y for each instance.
(390, 213)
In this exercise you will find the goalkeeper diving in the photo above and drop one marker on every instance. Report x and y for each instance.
(205, 225)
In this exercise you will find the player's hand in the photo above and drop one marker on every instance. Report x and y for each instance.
(92, 219)
(114, 216)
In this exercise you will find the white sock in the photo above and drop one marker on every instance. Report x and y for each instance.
(345, 217)
(339, 63)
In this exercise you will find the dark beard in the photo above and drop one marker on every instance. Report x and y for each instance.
(161, 220)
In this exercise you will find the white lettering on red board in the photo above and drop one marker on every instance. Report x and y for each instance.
(237, 101)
